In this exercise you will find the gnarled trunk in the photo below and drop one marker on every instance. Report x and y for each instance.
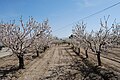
(86, 53)
(79, 50)
(21, 62)
(37, 53)
(44, 48)
(72, 46)
(98, 58)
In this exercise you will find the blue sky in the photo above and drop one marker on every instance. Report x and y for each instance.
(62, 14)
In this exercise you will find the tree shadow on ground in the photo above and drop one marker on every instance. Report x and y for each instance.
(62, 72)
(8, 71)
(79, 69)
(90, 71)
(114, 59)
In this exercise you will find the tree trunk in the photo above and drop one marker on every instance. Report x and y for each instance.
(0, 47)
(37, 53)
(21, 62)
(44, 48)
(86, 53)
(98, 58)
(78, 50)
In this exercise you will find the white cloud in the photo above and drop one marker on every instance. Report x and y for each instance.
(87, 3)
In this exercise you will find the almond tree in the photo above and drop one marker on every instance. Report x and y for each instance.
(42, 41)
(19, 37)
(98, 39)
(79, 33)
(85, 46)
(72, 40)
(115, 35)
(1, 45)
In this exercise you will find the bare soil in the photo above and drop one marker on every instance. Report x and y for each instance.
(59, 63)
(4, 52)
(110, 59)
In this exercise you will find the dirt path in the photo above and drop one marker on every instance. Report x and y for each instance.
(38, 68)
(54, 65)
(61, 63)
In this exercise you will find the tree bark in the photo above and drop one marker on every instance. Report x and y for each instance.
(21, 62)
(0, 47)
(37, 53)
(86, 53)
(78, 50)
(44, 48)
(72, 46)
(98, 58)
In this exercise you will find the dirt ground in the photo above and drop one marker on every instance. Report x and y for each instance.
(61, 63)
(109, 60)
(5, 52)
